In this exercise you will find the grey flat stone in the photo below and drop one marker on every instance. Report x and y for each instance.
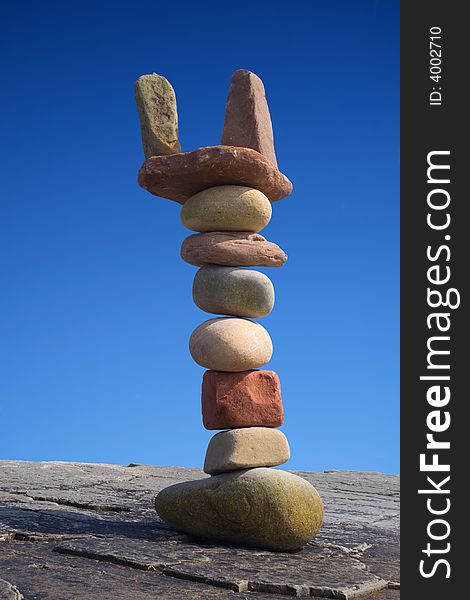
(42, 573)
(360, 497)
(312, 572)
(100, 537)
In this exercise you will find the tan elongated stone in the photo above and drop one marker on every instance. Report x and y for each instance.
(246, 448)
(233, 249)
(227, 208)
(247, 119)
(230, 344)
(233, 291)
(262, 507)
(180, 176)
(156, 104)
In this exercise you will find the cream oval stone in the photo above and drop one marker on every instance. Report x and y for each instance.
(227, 208)
(230, 344)
(233, 291)
(246, 448)
(262, 508)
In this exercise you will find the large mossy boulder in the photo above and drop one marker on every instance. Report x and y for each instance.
(262, 507)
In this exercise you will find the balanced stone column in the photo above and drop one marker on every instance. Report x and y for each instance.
(227, 193)
(232, 348)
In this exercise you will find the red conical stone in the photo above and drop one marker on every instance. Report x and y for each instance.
(247, 119)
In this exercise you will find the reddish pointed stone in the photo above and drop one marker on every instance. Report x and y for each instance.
(247, 119)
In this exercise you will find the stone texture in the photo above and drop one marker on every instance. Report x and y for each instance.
(245, 449)
(227, 208)
(232, 249)
(233, 291)
(263, 508)
(47, 571)
(230, 344)
(247, 119)
(156, 104)
(256, 573)
(180, 176)
(75, 531)
(247, 399)
(9, 591)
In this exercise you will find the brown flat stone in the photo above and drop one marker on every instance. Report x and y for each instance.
(246, 399)
(247, 119)
(180, 176)
(232, 249)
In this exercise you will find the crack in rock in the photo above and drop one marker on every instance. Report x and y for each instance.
(235, 586)
(237, 569)
(111, 558)
(21, 536)
(355, 551)
(75, 504)
(9, 591)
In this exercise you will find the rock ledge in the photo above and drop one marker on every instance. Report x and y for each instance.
(77, 531)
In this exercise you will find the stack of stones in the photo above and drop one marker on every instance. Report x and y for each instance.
(227, 193)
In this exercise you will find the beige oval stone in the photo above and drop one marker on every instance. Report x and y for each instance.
(230, 344)
(246, 448)
(227, 208)
(262, 508)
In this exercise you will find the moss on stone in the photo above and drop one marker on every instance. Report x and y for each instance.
(262, 507)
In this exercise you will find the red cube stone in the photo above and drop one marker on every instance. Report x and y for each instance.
(245, 399)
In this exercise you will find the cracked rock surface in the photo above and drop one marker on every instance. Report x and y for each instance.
(76, 531)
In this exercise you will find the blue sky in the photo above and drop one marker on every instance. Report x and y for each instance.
(95, 304)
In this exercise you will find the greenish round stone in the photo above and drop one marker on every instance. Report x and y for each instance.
(233, 291)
